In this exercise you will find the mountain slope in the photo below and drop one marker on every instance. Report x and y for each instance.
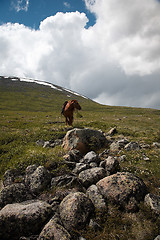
(33, 95)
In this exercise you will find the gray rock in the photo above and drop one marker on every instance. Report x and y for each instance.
(132, 146)
(75, 210)
(14, 193)
(23, 219)
(10, 176)
(115, 147)
(54, 230)
(96, 198)
(84, 140)
(73, 156)
(112, 131)
(122, 158)
(91, 176)
(64, 180)
(93, 165)
(157, 238)
(156, 145)
(80, 167)
(112, 165)
(153, 201)
(37, 179)
(91, 157)
(121, 188)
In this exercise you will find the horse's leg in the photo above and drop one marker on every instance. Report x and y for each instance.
(66, 121)
(70, 120)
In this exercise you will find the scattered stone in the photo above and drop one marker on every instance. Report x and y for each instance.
(132, 146)
(104, 154)
(40, 143)
(91, 176)
(14, 193)
(23, 219)
(156, 145)
(90, 157)
(80, 167)
(64, 180)
(10, 176)
(112, 165)
(119, 188)
(76, 210)
(96, 198)
(112, 132)
(84, 140)
(115, 147)
(122, 158)
(46, 144)
(73, 156)
(153, 201)
(37, 179)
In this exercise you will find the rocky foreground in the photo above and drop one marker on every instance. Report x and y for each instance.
(38, 205)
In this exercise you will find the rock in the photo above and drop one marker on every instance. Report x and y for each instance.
(13, 194)
(91, 157)
(121, 188)
(10, 176)
(112, 131)
(132, 146)
(91, 176)
(84, 140)
(73, 156)
(80, 167)
(111, 165)
(54, 230)
(37, 179)
(75, 211)
(118, 145)
(64, 180)
(156, 145)
(96, 198)
(157, 238)
(153, 201)
(23, 219)
(122, 158)
(104, 154)
(115, 147)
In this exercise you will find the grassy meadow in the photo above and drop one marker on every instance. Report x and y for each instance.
(30, 112)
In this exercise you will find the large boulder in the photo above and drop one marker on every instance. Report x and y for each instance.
(23, 219)
(96, 198)
(37, 178)
(75, 210)
(91, 176)
(14, 193)
(123, 188)
(84, 140)
(54, 230)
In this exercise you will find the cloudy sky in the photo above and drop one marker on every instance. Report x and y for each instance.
(108, 50)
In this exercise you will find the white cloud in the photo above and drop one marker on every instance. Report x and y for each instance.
(20, 5)
(116, 62)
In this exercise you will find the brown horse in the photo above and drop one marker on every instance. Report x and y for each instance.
(68, 109)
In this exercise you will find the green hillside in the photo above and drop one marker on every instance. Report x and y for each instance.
(30, 112)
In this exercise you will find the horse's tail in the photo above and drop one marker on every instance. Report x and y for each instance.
(65, 103)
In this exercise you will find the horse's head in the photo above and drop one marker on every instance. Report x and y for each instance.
(76, 104)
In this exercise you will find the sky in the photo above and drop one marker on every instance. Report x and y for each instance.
(107, 50)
